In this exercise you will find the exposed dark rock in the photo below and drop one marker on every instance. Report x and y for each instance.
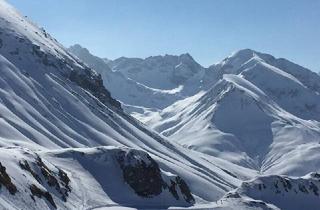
(35, 191)
(144, 178)
(179, 183)
(5, 180)
(25, 166)
(286, 184)
(60, 182)
(48, 174)
(257, 204)
(173, 190)
(65, 179)
(314, 188)
(233, 195)
(303, 189)
(185, 190)
(94, 84)
(52, 179)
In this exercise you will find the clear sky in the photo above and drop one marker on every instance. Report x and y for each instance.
(208, 29)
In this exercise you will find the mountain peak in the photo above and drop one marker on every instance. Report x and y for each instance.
(247, 54)
(243, 53)
(79, 49)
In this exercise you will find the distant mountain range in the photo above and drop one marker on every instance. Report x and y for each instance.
(252, 109)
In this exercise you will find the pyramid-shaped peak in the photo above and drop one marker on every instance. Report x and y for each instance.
(78, 48)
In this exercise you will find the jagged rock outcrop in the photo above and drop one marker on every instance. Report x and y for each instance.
(144, 176)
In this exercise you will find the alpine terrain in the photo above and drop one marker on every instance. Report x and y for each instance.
(81, 132)
(251, 109)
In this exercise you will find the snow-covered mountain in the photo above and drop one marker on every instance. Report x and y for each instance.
(67, 144)
(149, 84)
(294, 88)
(257, 115)
(251, 109)
(237, 121)
(250, 106)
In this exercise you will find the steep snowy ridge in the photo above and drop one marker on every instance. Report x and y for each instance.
(285, 89)
(293, 87)
(28, 46)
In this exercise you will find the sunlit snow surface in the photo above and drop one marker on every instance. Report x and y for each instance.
(42, 110)
(236, 125)
(252, 109)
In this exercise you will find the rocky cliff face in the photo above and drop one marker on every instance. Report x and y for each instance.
(143, 175)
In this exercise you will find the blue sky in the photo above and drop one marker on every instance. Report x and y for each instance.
(208, 29)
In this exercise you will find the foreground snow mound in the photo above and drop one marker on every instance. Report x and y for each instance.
(131, 171)
(29, 181)
(127, 177)
(278, 192)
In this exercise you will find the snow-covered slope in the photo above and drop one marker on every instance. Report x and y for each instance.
(91, 177)
(50, 100)
(67, 144)
(251, 109)
(238, 121)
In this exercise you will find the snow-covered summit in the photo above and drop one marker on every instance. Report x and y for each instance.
(160, 72)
